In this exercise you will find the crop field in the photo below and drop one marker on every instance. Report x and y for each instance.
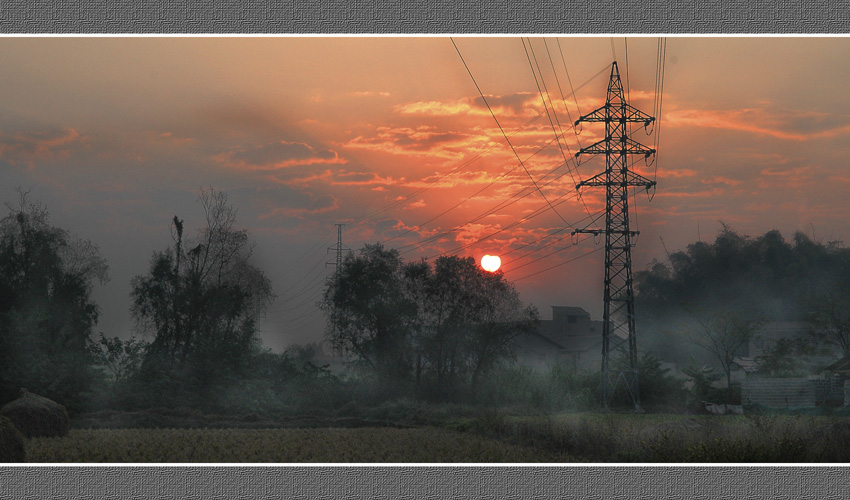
(279, 445)
(489, 438)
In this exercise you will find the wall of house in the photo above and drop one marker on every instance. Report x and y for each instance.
(781, 392)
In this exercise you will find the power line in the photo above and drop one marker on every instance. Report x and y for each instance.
(542, 80)
(499, 206)
(559, 264)
(443, 176)
(534, 214)
(444, 212)
(511, 200)
(492, 210)
(564, 61)
(561, 90)
(503, 131)
(544, 246)
(661, 65)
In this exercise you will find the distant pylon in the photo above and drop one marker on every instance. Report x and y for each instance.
(337, 264)
(619, 313)
(338, 248)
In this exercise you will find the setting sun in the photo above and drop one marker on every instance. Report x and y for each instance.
(491, 263)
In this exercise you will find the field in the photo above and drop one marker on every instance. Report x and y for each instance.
(279, 445)
(489, 438)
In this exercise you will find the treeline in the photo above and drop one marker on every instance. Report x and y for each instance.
(716, 294)
(408, 329)
(196, 310)
(766, 275)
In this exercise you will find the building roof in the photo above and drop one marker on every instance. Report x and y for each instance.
(570, 310)
(842, 365)
(783, 328)
(749, 365)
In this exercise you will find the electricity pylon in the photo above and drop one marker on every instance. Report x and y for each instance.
(337, 265)
(619, 314)
(338, 248)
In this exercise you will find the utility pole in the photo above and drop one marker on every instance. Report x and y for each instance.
(619, 312)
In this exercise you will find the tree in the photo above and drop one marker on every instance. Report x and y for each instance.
(829, 316)
(122, 358)
(46, 310)
(721, 333)
(370, 313)
(766, 275)
(787, 358)
(471, 317)
(449, 324)
(202, 305)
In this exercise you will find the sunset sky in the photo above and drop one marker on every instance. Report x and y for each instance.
(390, 136)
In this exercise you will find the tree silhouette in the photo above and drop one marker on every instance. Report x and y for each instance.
(46, 310)
(202, 305)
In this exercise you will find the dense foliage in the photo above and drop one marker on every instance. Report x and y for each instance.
(766, 275)
(46, 310)
(201, 306)
(716, 295)
(440, 327)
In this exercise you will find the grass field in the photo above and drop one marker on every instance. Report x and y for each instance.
(488, 437)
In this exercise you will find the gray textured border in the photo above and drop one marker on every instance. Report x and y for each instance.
(435, 16)
(430, 482)
(424, 16)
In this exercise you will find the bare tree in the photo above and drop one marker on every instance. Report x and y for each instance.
(829, 317)
(721, 333)
(204, 303)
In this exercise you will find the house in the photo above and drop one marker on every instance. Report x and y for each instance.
(766, 338)
(808, 381)
(570, 337)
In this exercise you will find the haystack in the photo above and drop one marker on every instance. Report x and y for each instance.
(11, 442)
(37, 416)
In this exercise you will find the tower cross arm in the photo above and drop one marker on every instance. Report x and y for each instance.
(619, 112)
(630, 179)
(597, 115)
(607, 146)
(635, 115)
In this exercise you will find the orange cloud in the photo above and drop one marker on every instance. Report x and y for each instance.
(277, 155)
(717, 179)
(169, 137)
(305, 205)
(682, 172)
(420, 141)
(346, 178)
(29, 147)
(784, 125)
(520, 104)
(788, 177)
(370, 93)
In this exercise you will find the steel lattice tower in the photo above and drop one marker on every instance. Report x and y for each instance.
(619, 313)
